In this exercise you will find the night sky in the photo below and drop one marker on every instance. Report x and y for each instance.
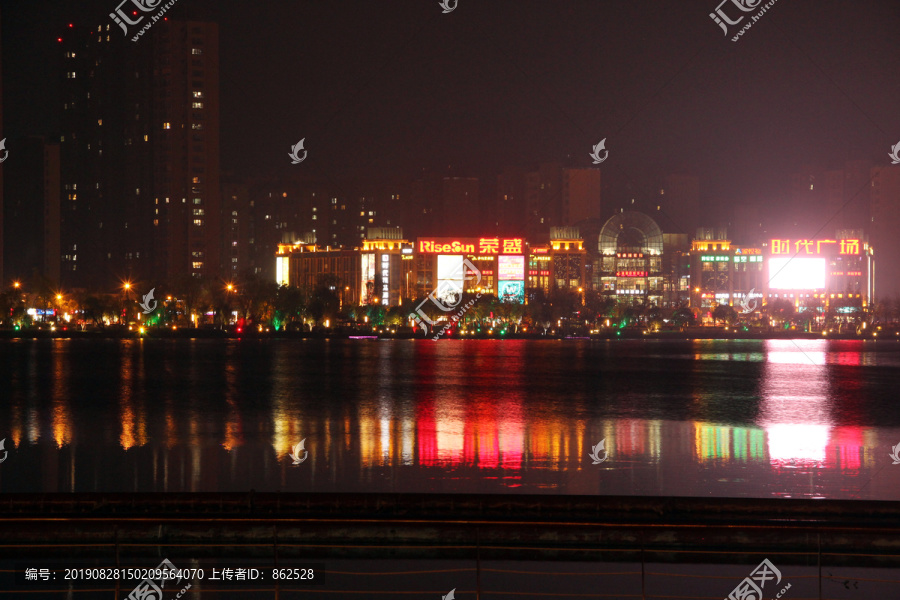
(383, 90)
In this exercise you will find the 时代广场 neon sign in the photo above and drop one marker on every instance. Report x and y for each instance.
(787, 246)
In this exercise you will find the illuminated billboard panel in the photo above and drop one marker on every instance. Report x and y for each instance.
(797, 273)
(282, 270)
(511, 268)
(450, 277)
(511, 291)
(367, 289)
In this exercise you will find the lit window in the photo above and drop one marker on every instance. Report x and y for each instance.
(196, 51)
(167, 126)
(198, 222)
(71, 74)
(199, 212)
(197, 265)
(198, 94)
(196, 180)
(197, 126)
(198, 105)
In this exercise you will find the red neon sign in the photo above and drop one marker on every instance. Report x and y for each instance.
(469, 245)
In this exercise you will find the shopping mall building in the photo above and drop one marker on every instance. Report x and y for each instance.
(631, 262)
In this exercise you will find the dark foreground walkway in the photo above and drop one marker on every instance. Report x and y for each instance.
(422, 546)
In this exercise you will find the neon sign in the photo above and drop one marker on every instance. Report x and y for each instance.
(781, 246)
(631, 273)
(490, 246)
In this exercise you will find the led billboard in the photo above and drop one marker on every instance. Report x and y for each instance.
(797, 273)
(282, 270)
(367, 289)
(450, 277)
(511, 291)
(511, 268)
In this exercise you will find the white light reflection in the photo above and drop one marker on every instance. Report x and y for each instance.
(795, 409)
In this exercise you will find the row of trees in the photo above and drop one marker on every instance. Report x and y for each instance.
(252, 301)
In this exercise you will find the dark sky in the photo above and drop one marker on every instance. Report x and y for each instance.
(389, 88)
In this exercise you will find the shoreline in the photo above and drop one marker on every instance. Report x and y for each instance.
(696, 333)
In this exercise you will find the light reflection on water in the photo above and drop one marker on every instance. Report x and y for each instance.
(810, 418)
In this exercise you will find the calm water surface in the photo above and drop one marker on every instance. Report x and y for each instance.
(684, 418)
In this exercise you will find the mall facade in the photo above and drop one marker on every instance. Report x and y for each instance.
(631, 262)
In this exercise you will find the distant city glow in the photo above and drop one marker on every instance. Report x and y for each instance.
(797, 273)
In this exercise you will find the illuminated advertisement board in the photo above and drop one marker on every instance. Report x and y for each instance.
(511, 291)
(511, 268)
(282, 270)
(450, 278)
(470, 246)
(797, 273)
(385, 279)
(367, 289)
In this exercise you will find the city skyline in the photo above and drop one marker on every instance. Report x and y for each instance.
(389, 179)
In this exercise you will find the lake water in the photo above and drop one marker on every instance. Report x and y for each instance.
(744, 418)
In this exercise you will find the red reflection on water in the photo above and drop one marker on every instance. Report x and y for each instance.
(846, 448)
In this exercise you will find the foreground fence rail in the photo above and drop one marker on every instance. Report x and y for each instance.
(421, 546)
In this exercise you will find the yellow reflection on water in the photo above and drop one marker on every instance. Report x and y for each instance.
(61, 418)
(728, 443)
